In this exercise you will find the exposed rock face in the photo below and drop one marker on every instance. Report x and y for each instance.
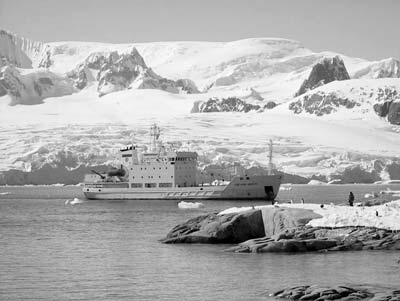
(213, 228)
(80, 76)
(187, 85)
(309, 239)
(238, 227)
(270, 105)
(388, 105)
(279, 230)
(32, 88)
(321, 104)
(356, 174)
(326, 71)
(394, 171)
(46, 61)
(230, 104)
(118, 71)
(339, 292)
(390, 109)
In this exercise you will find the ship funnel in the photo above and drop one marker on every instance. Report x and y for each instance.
(135, 159)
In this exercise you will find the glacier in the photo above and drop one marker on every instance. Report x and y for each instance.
(96, 97)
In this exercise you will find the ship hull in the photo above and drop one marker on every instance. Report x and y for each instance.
(240, 188)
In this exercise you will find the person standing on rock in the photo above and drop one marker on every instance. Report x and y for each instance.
(351, 199)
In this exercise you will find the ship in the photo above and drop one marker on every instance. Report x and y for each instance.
(165, 173)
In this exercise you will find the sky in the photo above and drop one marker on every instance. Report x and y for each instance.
(360, 28)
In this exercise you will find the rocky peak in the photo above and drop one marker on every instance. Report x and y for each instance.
(326, 71)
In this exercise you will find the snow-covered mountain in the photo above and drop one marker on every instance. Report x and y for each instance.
(88, 99)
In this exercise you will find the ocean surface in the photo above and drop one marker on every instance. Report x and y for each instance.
(110, 250)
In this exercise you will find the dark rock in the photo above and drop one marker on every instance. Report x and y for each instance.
(356, 174)
(394, 113)
(394, 170)
(388, 104)
(213, 228)
(46, 61)
(321, 104)
(187, 85)
(326, 71)
(48, 174)
(80, 76)
(382, 109)
(302, 239)
(270, 105)
(341, 292)
(230, 104)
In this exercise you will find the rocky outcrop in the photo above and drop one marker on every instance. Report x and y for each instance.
(356, 174)
(213, 228)
(393, 170)
(187, 85)
(338, 292)
(274, 229)
(31, 88)
(311, 239)
(238, 227)
(81, 76)
(119, 71)
(321, 103)
(230, 104)
(388, 104)
(390, 109)
(326, 71)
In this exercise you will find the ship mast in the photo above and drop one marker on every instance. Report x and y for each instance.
(155, 135)
(270, 164)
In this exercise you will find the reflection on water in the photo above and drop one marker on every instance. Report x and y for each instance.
(110, 251)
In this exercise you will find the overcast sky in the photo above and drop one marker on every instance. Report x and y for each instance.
(359, 28)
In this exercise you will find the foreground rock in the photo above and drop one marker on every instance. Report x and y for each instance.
(213, 228)
(238, 227)
(311, 239)
(275, 229)
(340, 292)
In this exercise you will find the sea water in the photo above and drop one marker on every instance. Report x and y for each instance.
(51, 249)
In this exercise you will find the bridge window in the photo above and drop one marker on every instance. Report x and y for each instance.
(150, 185)
(136, 185)
(165, 185)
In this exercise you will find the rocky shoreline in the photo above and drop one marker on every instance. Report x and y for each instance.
(275, 229)
(339, 292)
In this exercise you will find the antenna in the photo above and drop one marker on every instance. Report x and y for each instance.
(270, 164)
(154, 136)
